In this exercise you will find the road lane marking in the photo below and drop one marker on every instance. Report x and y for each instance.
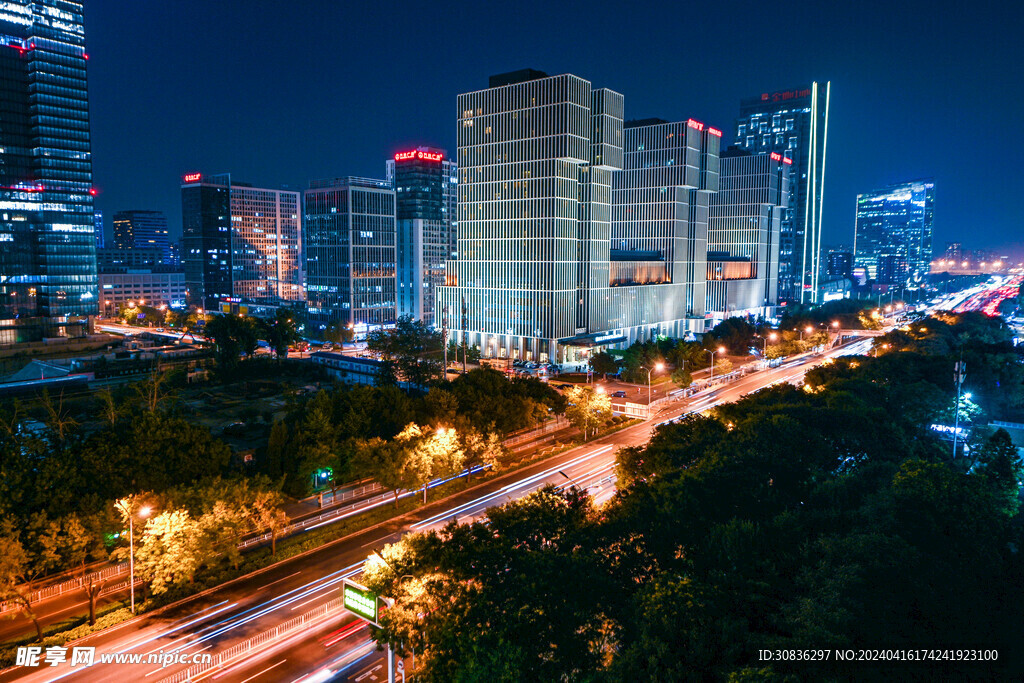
(279, 580)
(265, 670)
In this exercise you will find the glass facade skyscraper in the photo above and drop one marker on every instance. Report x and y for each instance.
(794, 124)
(425, 183)
(48, 282)
(545, 270)
(893, 237)
(240, 242)
(139, 229)
(350, 253)
(743, 233)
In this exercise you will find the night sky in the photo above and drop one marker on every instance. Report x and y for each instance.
(278, 93)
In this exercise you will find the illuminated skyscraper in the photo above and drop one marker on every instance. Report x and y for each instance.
(893, 238)
(743, 233)
(138, 229)
(425, 183)
(350, 253)
(48, 284)
(544, 269)
(794, 124)
(240, 242)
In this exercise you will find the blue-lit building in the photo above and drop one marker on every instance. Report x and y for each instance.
(425, 183)
(350, 253)
(48, 282)
(97, 219)
(794, 124)
(893, 238)
(142, 229)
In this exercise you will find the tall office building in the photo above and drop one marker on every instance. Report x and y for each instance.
(48, 283)
(98, 231)
(743, 234)
(659, 231)
(893, 236)
(425, 183)
(536, 275)
(350, 253)
(794, 124)
(140, 229)
(240, 242)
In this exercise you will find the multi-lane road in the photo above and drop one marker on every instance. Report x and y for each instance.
(337, 646)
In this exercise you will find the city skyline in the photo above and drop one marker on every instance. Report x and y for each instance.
(207, 117)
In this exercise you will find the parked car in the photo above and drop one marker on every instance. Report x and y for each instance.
(619, 394)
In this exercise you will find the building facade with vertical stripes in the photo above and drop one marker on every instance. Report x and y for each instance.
(350, 253)
(743, 234)
(794, 124)
(545, 271)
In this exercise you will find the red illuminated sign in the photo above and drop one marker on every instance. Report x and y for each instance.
(714, 131)
(696, 125)
(785, 95)
(419, 154)
(787, 160)
(192, 177)
(775, 156)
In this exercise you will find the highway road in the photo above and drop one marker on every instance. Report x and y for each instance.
(337, 646)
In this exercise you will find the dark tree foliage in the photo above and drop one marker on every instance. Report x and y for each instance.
(798, 519)
(234, 336)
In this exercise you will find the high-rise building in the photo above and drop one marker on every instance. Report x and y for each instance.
(350, 253)
(425, 183)
(839, 262)
(544, 271)
(893, 237)
(141, 229)
(97, 222)
(794, 124)
(659, 229)
(240, 242)
(48, 264)
(743, 234)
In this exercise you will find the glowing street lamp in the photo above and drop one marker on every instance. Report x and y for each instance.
(720, 349)
(126, 506)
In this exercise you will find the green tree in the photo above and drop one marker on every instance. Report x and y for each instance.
(587, 409)
(281, 331)
(234, 336)
(723, 366)
(481, 449)
(15, 573)
(603, 363)
(413, 347)
(170, 551)
(999, 462)
(681, 377)
(268, 516)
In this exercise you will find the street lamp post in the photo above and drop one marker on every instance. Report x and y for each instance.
(127, 508)
(658, 367)
(720, 349)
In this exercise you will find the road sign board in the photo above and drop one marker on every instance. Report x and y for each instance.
(361, 601)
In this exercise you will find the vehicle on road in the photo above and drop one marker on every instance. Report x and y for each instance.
(619, 394)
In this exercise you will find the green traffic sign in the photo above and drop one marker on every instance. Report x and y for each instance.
(361, 601)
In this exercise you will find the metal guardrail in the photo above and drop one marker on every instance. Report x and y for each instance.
(69, 585)
(257, 641)
(555, 425)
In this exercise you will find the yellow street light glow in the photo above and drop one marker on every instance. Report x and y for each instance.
(144, 511)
